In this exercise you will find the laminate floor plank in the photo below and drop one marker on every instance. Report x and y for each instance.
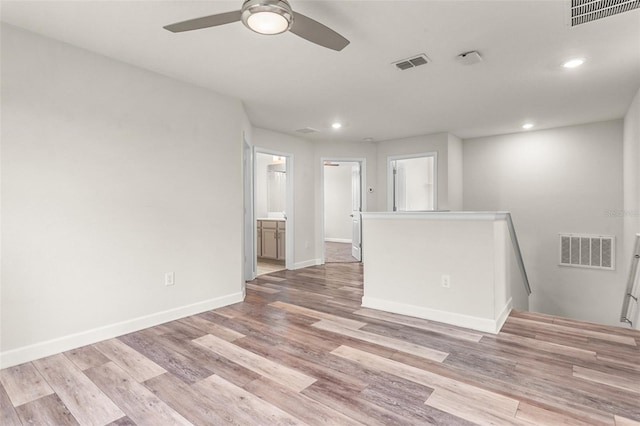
(88, 404)
(300, 349)
(388, 342)
(297, 404)
(48, 410)
(138, 402)
(449, 331)
(490, 401)
(209, 327)
(8, 414)
(187, 369)
(211, 361)
(620, 382)
(24, 383)
(195, 406)
(86, 357)
(572, 331)
(277, 372)
(319, 315)
(242, 406)
(131, 361)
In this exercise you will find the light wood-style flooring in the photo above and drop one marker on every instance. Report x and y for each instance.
(267, 266)
(338, 252)
(301, 350)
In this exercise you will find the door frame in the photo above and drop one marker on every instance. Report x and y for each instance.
(249, 235)
(289, 210)
(363, 199)
(390, 188)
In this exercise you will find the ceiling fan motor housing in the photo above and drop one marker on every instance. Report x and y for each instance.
(279, 7)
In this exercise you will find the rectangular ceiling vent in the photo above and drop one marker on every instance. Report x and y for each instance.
(413, 62)
(307, 130)
(583, 11)
(587, 251)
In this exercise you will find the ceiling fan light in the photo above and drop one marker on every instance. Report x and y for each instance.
(267, 16)
(267, 23)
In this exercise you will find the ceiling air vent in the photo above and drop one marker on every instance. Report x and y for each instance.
(307, 130)
(416, 61)
(583, 11)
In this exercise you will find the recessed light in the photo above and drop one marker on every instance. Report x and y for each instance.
(527, 126)
(573, 63)
(367, 139)
(336, 125)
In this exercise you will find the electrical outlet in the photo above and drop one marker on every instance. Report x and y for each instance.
(169, 278)
(446, 281)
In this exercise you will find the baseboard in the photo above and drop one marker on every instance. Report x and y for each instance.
(475, 323)
(307, 263)
(66, 343)
(339, 240)
(502, 317)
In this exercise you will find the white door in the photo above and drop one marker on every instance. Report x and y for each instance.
(356, 208)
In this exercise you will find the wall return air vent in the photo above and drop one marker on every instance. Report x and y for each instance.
(583, 11)
(413, 62)
(587, 251)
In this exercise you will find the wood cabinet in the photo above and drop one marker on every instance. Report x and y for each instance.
(271, 239)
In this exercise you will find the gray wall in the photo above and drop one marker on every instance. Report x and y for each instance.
(111, 176)
(631, 167)
(559, 180)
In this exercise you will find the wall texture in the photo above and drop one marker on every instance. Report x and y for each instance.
(559, 180)
(111, 176)
(631, 167)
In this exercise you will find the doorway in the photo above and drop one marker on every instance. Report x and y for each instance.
(342, 183)
(412, 183)
(272, 211)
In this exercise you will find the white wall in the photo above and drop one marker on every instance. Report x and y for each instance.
(559, 180)
(415, 145)
(111, 176)
(338, 202)
(455, 173)
(261, 161)
(631, 167)
(303, 190)
(408, 253)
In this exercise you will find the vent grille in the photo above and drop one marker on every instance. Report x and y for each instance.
(307, 130)
(587, 251)
(413, 62)
(583, 11)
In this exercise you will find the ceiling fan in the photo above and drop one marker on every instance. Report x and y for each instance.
(269, 17)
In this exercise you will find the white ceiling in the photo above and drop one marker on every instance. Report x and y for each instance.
(287, 83)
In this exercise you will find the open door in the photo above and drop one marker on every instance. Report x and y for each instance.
(356, 209)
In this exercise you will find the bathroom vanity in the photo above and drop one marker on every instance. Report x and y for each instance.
(271, 238)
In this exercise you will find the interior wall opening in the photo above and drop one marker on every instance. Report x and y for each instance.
(342, 207)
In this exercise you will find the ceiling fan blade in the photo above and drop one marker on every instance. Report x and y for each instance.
(204, 22)
(317, 33)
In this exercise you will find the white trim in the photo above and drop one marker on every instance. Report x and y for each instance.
(338, 240)
(502, 317)
(307, 263)
(61, 344)
(475, 323)
(437, 215)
